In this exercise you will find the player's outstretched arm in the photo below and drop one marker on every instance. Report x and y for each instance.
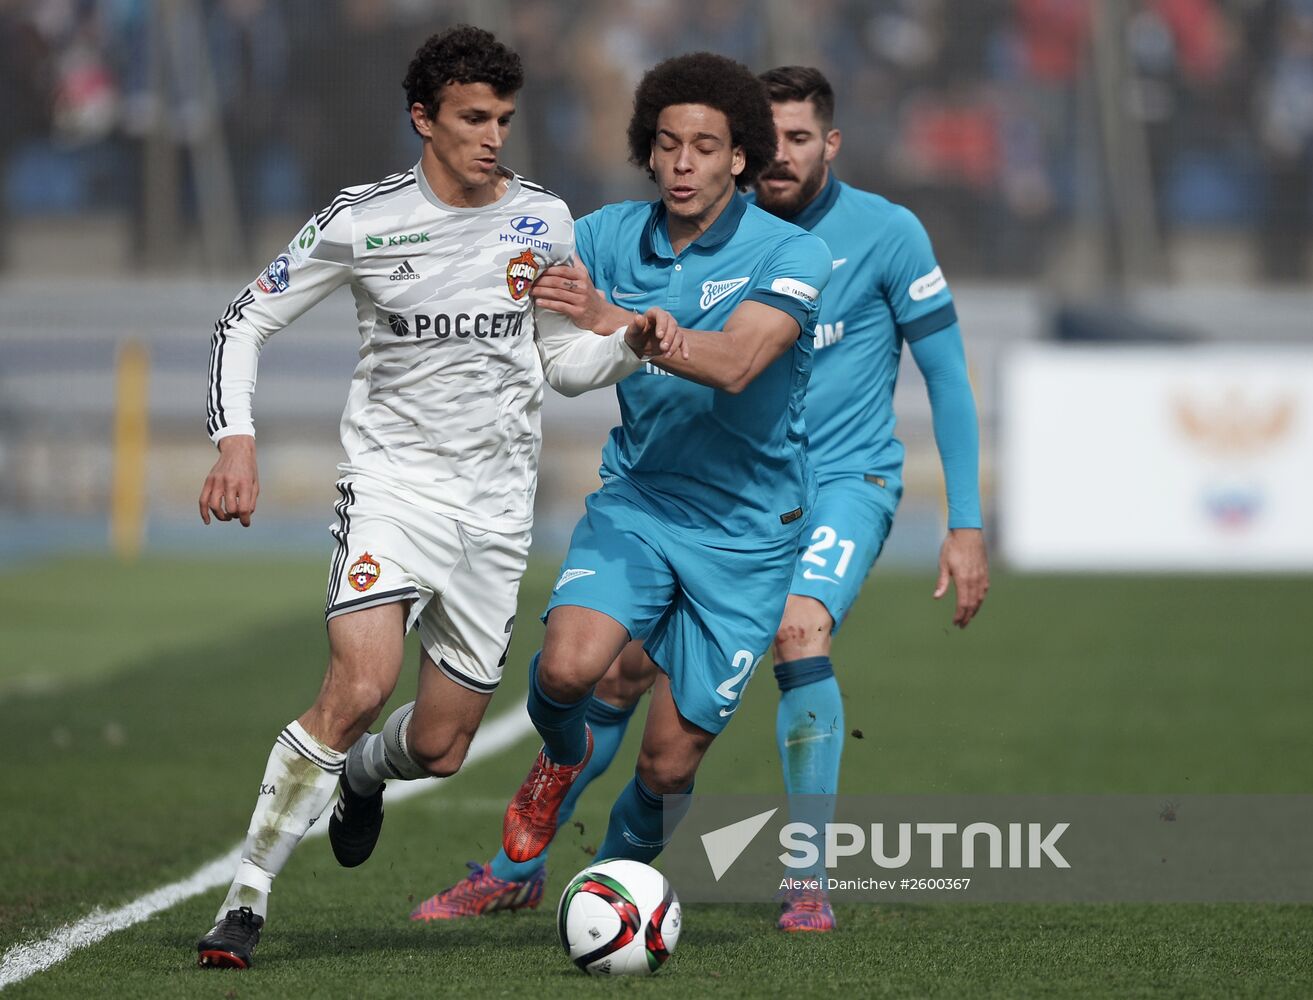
(754, 336)
(729, 359)
(568, 290)
(575, 360)
(766, 323)
(233, 485)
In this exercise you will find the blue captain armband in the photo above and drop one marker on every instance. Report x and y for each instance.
(796, 309)
(931, 322)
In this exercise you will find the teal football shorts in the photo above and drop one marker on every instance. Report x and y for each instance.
(707, 613)
(843, 538)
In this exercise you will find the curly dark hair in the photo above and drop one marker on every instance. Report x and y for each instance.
(801, 83)
(718, 82)
(462, 54)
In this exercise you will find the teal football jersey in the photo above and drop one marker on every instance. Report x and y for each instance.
(887, 288)
(724, 465)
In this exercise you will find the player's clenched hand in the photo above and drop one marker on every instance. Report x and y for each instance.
(655, 334)
(568, 289)
(963, 560)
(233, 484)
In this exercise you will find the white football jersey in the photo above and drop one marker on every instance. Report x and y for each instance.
(443, 406)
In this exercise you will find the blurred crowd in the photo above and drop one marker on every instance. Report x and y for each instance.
(981, 115)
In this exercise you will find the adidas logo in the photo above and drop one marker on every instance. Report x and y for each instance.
(404, 273)
(714, 291)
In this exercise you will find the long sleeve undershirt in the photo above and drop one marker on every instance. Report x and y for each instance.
(942, 361)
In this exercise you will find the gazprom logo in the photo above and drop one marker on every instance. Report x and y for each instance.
(530, 225)
(927, 285)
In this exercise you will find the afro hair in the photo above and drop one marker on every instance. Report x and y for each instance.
(717, 82)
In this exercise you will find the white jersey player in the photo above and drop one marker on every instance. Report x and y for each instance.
(450, 367)
(441, 435)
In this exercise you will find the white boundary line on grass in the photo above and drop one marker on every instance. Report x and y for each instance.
(24, 960)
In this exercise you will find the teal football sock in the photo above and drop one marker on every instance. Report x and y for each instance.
(561, 725)
(809, 733)
(608, 724)
(637, 830)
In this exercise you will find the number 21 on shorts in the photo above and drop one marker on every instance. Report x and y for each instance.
(825, 538)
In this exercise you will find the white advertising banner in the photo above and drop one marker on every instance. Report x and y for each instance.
(1157, 458)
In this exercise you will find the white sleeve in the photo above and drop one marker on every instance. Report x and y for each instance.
(576, 360)
(318, 261)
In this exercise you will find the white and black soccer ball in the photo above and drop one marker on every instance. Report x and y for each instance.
(618, 918)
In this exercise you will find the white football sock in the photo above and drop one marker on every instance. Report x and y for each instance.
(298, 784)
(383, 755)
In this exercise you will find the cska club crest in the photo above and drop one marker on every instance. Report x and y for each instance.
(520, 274)
(364, 573)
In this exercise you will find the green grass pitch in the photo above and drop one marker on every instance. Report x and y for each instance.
(139, 703)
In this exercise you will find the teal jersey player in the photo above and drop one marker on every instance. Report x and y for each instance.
(704, 491)
(730, 468)
(689, 544)
(885, 293)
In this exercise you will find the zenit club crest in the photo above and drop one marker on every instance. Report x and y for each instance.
(364, 572)
(520, 274)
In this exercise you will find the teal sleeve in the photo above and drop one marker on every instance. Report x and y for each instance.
(793, 278)
(913, 283)
(942, 360)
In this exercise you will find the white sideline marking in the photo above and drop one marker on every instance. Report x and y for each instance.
(24, 960)
(32, 684)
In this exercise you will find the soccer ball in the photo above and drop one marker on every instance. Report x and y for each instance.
(618, 918)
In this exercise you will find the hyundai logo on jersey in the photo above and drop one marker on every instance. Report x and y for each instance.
(530, 225)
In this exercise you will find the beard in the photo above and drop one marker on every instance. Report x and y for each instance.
(789, 205)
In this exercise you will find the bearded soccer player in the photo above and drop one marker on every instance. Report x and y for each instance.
(690, 542)
(886, 290)
(441, 434)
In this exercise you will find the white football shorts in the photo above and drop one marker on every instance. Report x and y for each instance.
(462, 582)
